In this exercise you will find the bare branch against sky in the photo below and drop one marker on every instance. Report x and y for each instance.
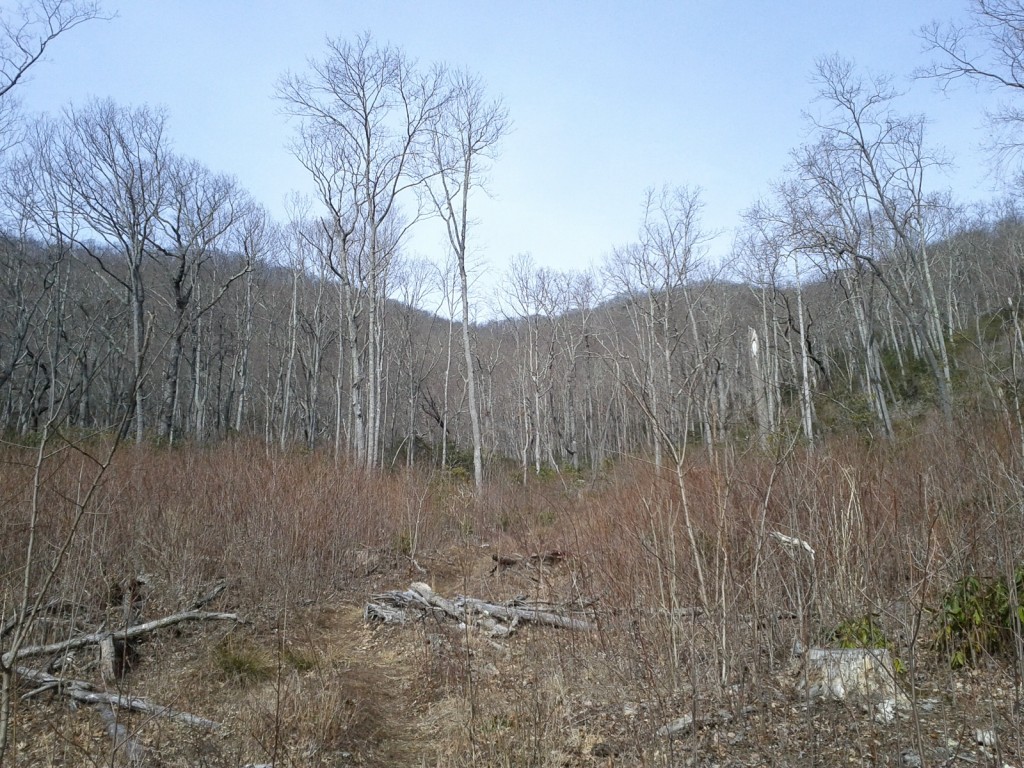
(607, 99)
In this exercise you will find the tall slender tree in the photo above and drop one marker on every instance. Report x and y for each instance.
(464, 139)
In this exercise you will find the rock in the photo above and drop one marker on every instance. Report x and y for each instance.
(927, 706)
(884, 712)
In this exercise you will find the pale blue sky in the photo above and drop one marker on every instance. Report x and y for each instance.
(607, 98)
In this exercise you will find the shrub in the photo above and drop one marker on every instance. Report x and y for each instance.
(861, 632)
(980, 616)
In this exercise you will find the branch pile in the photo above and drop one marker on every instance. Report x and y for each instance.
(420, 601)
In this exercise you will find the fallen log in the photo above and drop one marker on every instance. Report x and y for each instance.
(51, 605)
(210, 596)
(525, 614)
(383, 614)
(97, 638)
(394, 607)
(81, 690)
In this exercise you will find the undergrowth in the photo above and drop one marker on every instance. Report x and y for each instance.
(894, 534)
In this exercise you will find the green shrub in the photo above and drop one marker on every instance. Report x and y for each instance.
(980, 616)
(861, 632)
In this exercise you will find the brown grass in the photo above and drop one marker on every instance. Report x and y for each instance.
(304, 542)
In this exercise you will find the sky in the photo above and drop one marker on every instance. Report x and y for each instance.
(607, 98)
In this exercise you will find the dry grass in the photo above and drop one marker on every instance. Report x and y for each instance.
(304, 542)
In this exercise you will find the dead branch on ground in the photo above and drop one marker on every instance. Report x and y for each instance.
(81, 690)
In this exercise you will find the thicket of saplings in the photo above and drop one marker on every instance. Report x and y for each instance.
(918, 547)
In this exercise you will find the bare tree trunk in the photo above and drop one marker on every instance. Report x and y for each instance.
(760, 390)
(468, 129)
(339, 375)
(293, 333)
(243, 365)
(467, 348)
(447, 381)
(806, 403)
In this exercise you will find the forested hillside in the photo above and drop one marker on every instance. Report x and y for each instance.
(197, 318)
(579, 368)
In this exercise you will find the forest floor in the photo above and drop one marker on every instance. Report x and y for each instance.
(314, 684)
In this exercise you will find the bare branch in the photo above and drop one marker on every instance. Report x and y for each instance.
(26, 33)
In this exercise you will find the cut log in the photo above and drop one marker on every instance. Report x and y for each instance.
(840, 673)
(108, 672)
(117, 657)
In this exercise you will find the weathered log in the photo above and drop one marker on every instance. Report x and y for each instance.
(13, 622)
(81, 690)
(391, 607)
(384, 614)
(525, 614)
(435, 600)
(122, 634)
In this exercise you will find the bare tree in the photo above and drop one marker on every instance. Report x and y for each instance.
(23, 254)
(530, 301)
(859, 203)
(366, 113)
(255, 238)
(653, 275)
(465, 138)
(773, 268)
(415, 358)
(202, 208)
(113, 164)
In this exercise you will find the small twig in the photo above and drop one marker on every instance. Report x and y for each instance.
(41, 689)
(210, 596)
